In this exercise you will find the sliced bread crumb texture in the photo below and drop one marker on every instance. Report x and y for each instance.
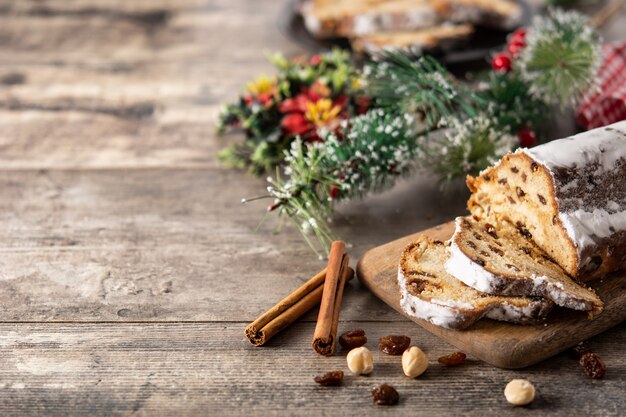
(568, 196)
(430, 293)
(495, 257)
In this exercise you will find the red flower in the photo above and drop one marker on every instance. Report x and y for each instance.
(312, 109)
(315, 59)
(296, 124)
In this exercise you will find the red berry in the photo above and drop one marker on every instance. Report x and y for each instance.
(501, 63)
(527, 137)
(334, 191)
(519, 35)
(515, 47)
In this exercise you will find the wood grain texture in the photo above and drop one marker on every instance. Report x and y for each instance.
(117, 296)
(190, 369)
(501, 344)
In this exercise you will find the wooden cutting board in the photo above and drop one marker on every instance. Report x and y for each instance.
(501, 344)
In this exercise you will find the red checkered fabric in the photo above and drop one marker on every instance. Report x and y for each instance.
(608, 104)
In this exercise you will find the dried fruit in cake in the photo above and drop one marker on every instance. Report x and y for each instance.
(428, 292)
(568, 196)
(496, 257)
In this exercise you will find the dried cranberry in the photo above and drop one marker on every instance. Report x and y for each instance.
(352, 339)
(385, 395)
(453, 359)
(394, 345)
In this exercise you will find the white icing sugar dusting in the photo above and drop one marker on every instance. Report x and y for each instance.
(586, 227)
(605, 145)
(439, 315)
(469, 272)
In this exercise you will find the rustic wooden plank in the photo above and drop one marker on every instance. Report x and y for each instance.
(187, 369)
(172, 245)
(109, 84)
(501, 344)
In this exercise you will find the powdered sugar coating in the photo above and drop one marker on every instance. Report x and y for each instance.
(470, 273)
(440, 314)
(588, 171)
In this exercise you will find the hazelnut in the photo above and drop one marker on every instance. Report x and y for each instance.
(360, 361)
(519, 392)
(414, 362)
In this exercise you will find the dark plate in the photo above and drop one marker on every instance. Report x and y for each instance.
(476, 51)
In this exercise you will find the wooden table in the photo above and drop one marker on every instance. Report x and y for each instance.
(128, 268)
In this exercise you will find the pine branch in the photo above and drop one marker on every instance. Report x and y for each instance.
(367, 157)
(561, 58)
(422, 86)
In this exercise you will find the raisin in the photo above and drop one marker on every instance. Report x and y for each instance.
(514, 170)
(491, 230)
(513, 267)
(477, 236)
(496, 250)
(484, 253)
(352, 339)
(511, 199)
(524, 176)
(527, 251)
(466, 223)
(471, 244)
(520, 192)
(418, 285)
(503, 181)
(330, 379)
(385, 395)
(487, 178)
(453, 359)
(555, 220)
(394, 345)
(580, 349)
(593, 365)
(479, 261)
(542, 199)
(534, 167)
(437, 242)
(525, 232)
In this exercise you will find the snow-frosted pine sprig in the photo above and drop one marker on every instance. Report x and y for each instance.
(561, 58)
(366, 156)
(467, 147)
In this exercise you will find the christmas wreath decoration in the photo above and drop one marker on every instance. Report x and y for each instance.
(339, 132)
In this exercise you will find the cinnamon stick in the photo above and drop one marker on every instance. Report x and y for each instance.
(288, 310)
(337, 272)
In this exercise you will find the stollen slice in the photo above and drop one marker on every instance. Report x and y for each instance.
(428, 292)
(495, 257)
(437, 37)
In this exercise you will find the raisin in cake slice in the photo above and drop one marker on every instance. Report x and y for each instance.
(568, 195)
(428, 292)
(495, 258)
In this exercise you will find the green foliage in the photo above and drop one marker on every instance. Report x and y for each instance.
(466, 148)
(258, 113)
(561, 57)
(509, 103)
(371, 154)
(421, 86)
